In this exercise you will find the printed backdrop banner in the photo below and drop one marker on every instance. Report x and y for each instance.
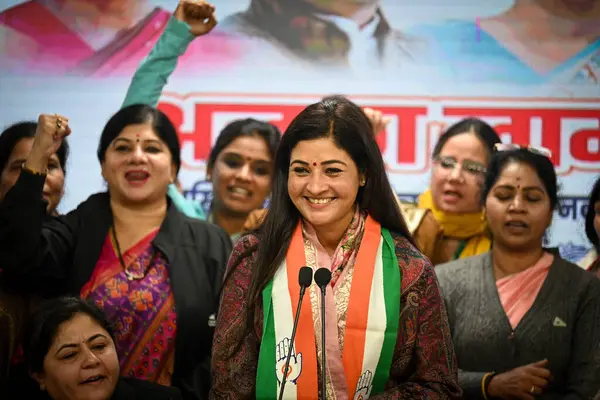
(426, 65)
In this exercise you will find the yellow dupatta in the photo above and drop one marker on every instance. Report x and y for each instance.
(471, 227)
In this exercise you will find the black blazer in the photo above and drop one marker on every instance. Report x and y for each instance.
(60, 255)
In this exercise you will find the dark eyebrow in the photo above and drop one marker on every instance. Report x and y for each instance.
(328, 162)
(299, 162)
(91, 339)
(472, 161)
(238, 155)
(511, 187)
(131, 141)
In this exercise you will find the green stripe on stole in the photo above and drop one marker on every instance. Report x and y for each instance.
(392, 279)
(266, 378)
(266, 382)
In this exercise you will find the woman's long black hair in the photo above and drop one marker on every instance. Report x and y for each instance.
(345, 123)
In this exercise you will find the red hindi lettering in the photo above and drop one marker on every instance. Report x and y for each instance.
(203, 117)
(520, 127)
(580, 148)
(200, 136)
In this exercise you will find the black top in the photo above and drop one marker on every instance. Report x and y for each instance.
(126, 389)
(135, 389)
(62, 252)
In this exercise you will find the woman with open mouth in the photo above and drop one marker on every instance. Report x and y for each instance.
(70, 351)
(241, 161)
(460, 158)
(155, 272)
(524, 321)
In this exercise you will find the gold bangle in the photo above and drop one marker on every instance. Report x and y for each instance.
(24, 167)
(483, 384)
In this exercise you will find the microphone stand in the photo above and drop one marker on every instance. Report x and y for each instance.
(305, 279)
(323, 352)
(322, 279)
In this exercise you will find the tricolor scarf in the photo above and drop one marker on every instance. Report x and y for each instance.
(469, 227)
(371, 322)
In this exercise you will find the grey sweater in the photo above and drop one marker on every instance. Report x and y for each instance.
(563, 325)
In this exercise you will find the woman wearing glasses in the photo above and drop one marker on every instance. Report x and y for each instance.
(525, 323)
(454, 194)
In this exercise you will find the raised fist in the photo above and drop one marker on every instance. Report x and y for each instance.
(198, 14)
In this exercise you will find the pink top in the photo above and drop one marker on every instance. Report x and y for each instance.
(518, 291)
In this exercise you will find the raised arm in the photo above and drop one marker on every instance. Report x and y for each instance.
(32, 244)
(190, 19)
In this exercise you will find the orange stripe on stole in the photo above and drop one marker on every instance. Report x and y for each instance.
(358, 306)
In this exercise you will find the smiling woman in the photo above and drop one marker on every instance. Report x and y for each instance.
(323, 184)
(332, 207)
(70, 351)
(240, 167)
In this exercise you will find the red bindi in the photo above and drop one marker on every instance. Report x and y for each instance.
(314, 164)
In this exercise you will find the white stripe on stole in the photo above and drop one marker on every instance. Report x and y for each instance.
(376, 324)
(284, 322)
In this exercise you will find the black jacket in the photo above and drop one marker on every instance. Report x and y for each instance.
(61, 253)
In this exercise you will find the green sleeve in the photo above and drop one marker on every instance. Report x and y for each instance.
(151, 76)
